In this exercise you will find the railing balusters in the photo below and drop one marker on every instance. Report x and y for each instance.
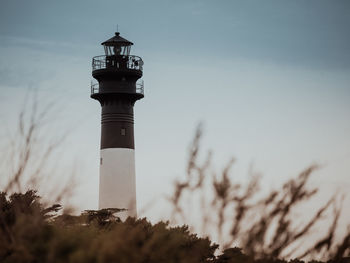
(139, 87)
(133, 62)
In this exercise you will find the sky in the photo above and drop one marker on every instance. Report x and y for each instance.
(269, 80)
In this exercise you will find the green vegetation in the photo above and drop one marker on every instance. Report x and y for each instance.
(30, 232)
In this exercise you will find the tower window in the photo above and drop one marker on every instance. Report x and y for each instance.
(122, 131)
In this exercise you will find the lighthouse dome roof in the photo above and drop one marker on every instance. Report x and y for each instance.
(117, 40)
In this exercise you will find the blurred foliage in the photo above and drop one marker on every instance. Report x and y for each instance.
(30, 232)
(33, 233)
(30, 153)
(263, 225)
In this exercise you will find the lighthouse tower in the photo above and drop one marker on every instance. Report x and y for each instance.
(119, 86)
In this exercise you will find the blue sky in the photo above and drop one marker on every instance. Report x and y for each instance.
(269, 80)
(311, 33)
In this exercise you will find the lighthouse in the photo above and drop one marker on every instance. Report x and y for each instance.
(118, 87)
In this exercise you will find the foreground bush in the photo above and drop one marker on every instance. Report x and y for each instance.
(32, 233)
(29, 232)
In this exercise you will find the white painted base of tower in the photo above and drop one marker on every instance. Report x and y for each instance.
(117, 180)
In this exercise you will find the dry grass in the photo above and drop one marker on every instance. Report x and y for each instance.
(264, 226)
(31, 154)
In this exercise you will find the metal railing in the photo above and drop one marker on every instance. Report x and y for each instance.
(94, 87)
(139, 87)
(121, 62)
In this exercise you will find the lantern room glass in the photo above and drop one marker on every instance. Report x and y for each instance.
(117, 50)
